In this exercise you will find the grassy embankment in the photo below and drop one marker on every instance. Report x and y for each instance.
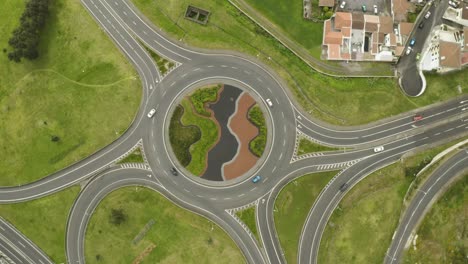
(43, 221)
(79, 80)
(307, 146)
(345, 101)
(257, 145)
(292, 206)
(248, 217)
(164, 65)
(442, 234)
(182, 137)
(370, 212)
(135, 157)
(178, 236)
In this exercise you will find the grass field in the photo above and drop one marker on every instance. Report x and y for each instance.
(307, 146)
(248, 217)
(182, 137)
(209, 136)
(442, 235)
(370, 212)
(292, 206)
(135, 157)
(345, 101)
(43, 221)
(179, 236)
(79, 80)
(257, 145)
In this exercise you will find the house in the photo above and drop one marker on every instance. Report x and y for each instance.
(449, 55)
(400, 10)
(458, 15)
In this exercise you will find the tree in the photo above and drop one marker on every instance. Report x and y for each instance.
(118, 216)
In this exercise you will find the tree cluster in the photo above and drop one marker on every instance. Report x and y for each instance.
(25, 38)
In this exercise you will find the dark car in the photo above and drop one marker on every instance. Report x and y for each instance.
(174, 171)
(343, 187)
(421, 25)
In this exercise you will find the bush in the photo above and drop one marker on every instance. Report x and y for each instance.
(118, 216)
(182, 137)
(203, 96)
(257, 145)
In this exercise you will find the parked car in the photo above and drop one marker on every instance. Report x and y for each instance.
(421, 25)
(343, 187)
(343, 4)
(428, 14)
(412, 42)
(270, 104)
(417, 117)
(376, 11)
(364, 8)
(453, 4)
(256, 179)
(174, 171)
(378, 149)
(408, 50)
(151, 113)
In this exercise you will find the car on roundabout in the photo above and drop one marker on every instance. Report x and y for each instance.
(174, 171)
(256, 179)
(151, 113)
(270, 104)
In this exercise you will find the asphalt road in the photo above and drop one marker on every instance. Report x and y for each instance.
(196, 67)
(420, 204)
(411, 82)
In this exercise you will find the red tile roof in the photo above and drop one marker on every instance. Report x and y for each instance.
(449, 54)
(342, 19)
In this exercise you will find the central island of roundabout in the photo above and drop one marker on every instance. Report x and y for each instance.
(218, 132)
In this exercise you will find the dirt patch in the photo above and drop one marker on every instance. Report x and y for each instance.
(244, 131)
(143, 254)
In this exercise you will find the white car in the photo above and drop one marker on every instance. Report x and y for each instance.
(270, 104)
(428, 14)
(453, 4)
(378, 149)
(151, 113)
(343, 4)
(376, 11)
(408, 50)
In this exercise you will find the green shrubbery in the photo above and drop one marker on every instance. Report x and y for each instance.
(257, 145)
(202, 96)
(163, 64)
(182, 137)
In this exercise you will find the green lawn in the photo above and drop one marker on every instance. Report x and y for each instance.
(370, 213)
(179, 236)
(345, 101)
(307, 146)
(442, 235)
(43, 221)
(78, 81)
(134, 157)
(248, 217)
(182, 137)
(209, 136)
(292, 206)
(257, 145)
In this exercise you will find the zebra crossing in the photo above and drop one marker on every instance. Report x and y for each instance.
(337, 165)
(135, 166)
(300, 135)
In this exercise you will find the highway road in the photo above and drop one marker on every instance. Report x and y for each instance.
(195, 67)
(420, 204)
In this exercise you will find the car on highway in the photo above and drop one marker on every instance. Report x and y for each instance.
(421, 25)
(343, 4)
(174, 171)
(408, 50)
(412, 42)
(427, 15)
(151, 113)
(376, 11)
(417, 117)
(364, 8)
(268, 100)
(256, 179)
(343, 187)
(378, 149)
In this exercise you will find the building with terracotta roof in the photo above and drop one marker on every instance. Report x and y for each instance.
(449, 55)
(386, 24)
(343, 20)
(371, 23)
(400, 10)
(358, 21)
(465, 36)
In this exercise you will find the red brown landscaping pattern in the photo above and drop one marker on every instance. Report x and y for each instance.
(244, 131)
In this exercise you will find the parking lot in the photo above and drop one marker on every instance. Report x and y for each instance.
(383, 7)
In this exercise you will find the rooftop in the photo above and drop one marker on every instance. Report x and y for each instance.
(342, 19)
(329, 3)
(450, 55)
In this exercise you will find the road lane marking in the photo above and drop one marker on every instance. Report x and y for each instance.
(186, 190)
(172, 84)
(125, 13)
(281, 156)
(21, 244)
(274, 168)
(240, 195)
